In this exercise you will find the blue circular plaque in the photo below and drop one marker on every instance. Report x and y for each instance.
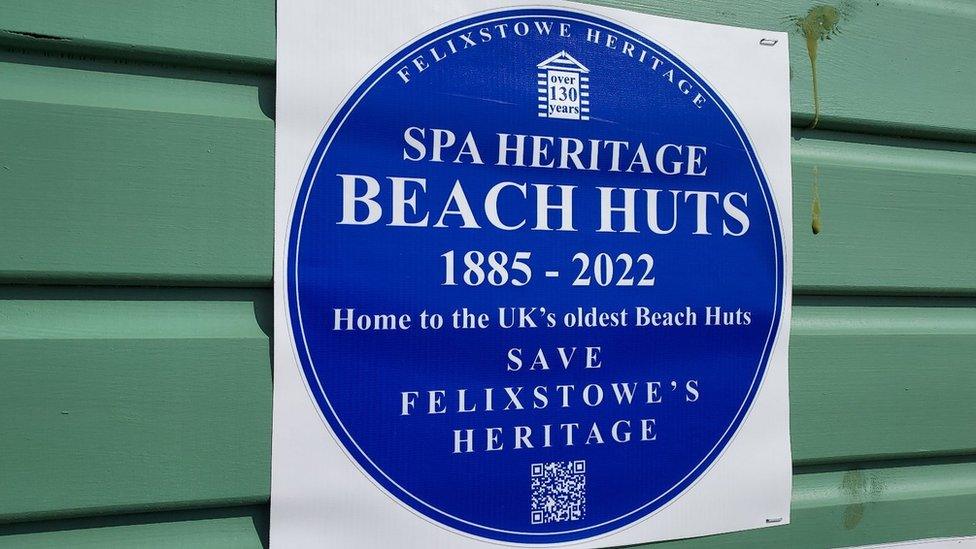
(534, 273)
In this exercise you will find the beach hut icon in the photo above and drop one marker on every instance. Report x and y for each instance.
(564, 88)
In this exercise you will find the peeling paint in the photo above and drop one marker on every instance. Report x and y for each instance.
(820, 23)
(816, 223)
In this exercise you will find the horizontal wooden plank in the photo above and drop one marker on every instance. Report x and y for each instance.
(146, 399)
(230, 528)
(127, 399)
(881, 378)
(874, 73)
(92, 82)
(895, 215)
(152, 193)
(154, 190)
(840, 508)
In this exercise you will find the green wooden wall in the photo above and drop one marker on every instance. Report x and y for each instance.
(136, 179)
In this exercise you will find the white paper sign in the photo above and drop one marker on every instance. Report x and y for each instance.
(532, 276)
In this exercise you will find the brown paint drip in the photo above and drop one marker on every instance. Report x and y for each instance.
(816, 224)
(861, 490)
(820, 23)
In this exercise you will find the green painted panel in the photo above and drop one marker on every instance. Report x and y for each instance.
(158, 192)
(136, 400)
(58, 80)
(830, 509)
(118, 400)
(230, 528)
(906, 52)
(882, 377)
(897, 216)
(90, 194)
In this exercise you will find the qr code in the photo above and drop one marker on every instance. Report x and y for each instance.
(558, 491)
